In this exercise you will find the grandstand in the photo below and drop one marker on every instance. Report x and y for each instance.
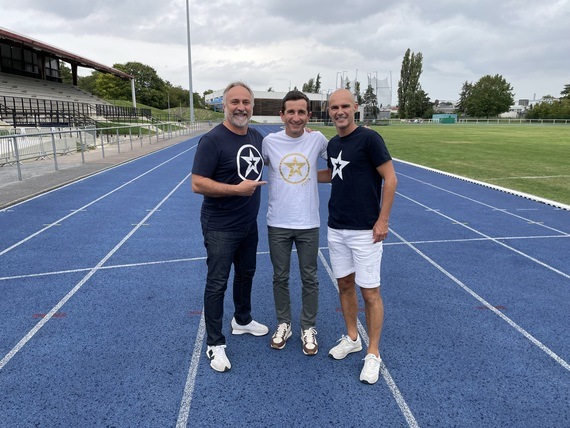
(32, 93)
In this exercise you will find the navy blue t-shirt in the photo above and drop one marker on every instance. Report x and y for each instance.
(229, 158)
(356, 190)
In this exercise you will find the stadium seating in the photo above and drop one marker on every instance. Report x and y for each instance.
(25, 87)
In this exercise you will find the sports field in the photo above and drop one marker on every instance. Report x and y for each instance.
(533, 159)
(102, 312)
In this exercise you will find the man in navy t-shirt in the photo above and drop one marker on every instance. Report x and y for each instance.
(362, 192)
(227, 171)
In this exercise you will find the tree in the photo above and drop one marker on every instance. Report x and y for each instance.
(409, 83)
(318, 84)
(370, 102)
(550, 108)
(313, 86)
(463, 96)
(309, 87)
(489, 97)
(65, 73)
(357, 96)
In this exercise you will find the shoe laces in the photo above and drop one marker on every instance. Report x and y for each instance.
(282, 330)
(371, 362)
(309, 335)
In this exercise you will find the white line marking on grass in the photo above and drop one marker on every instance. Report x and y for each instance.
(535, 177)
(410, 419)
(565, 275)
(191, 378)
(497, 312)
(80, 284)
(481, 183)
(73, 212)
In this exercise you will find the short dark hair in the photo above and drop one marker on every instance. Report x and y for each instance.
(295, 95)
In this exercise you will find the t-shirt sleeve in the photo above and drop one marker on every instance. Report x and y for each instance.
(264, 150)
(377, 150)
(324, 144)
(206, 158)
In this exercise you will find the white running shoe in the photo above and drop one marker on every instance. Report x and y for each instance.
(218, 360)
(309, 338)
(345, 346)
(253, 328)
(371, 369)
(279, 339)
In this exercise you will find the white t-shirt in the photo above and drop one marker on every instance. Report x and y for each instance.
(292, 180)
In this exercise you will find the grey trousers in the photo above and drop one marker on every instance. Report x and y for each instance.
(307, 244)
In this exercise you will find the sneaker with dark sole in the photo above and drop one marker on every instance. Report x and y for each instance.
(218, 359)
(309, 338)
(253, 328)
(279, 338)
(371, 370)
(345, 346)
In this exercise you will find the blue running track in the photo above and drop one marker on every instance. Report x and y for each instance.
(101, 312)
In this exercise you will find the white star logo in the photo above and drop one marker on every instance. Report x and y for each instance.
(338, 164)
(252, 159)
(252, 162)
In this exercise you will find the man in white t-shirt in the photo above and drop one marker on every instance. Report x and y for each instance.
(291, 156)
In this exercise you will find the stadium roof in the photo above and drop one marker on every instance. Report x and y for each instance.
(24, 41)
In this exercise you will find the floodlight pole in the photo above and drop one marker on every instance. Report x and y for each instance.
(189, 63)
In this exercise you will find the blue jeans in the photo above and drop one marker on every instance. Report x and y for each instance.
(223, 249)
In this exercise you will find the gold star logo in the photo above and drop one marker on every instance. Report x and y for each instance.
(294, 168)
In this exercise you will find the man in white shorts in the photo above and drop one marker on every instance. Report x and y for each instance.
(291, 156)
(362, 193)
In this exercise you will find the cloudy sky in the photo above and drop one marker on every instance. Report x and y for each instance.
(282, 44)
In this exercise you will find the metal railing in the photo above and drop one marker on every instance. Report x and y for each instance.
(30, 144)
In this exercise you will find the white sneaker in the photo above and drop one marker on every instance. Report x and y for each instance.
(345, 346)
(371, 369)
(218, 360)
(253, 328)
(279, 339)
(309, 338)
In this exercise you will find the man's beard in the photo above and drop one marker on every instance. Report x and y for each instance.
(240, 120)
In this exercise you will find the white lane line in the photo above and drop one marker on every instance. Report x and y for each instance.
(186, 401)
(184, 411)
(497, 312)
(126, 265)
(80, 284)
(535, 198)
(73, 212)
(191, 259)
(405, 409)
(565, 275)
(476, 201)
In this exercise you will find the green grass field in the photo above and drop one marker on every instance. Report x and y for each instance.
(533, 159)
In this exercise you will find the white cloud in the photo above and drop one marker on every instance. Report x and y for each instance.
(283, 44)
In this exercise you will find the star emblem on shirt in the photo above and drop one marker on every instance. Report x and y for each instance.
(295, 167)
(338, 164)
(252, 162)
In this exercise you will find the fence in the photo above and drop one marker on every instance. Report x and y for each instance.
(29, 144)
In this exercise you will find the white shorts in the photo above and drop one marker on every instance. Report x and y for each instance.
(354, 251)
